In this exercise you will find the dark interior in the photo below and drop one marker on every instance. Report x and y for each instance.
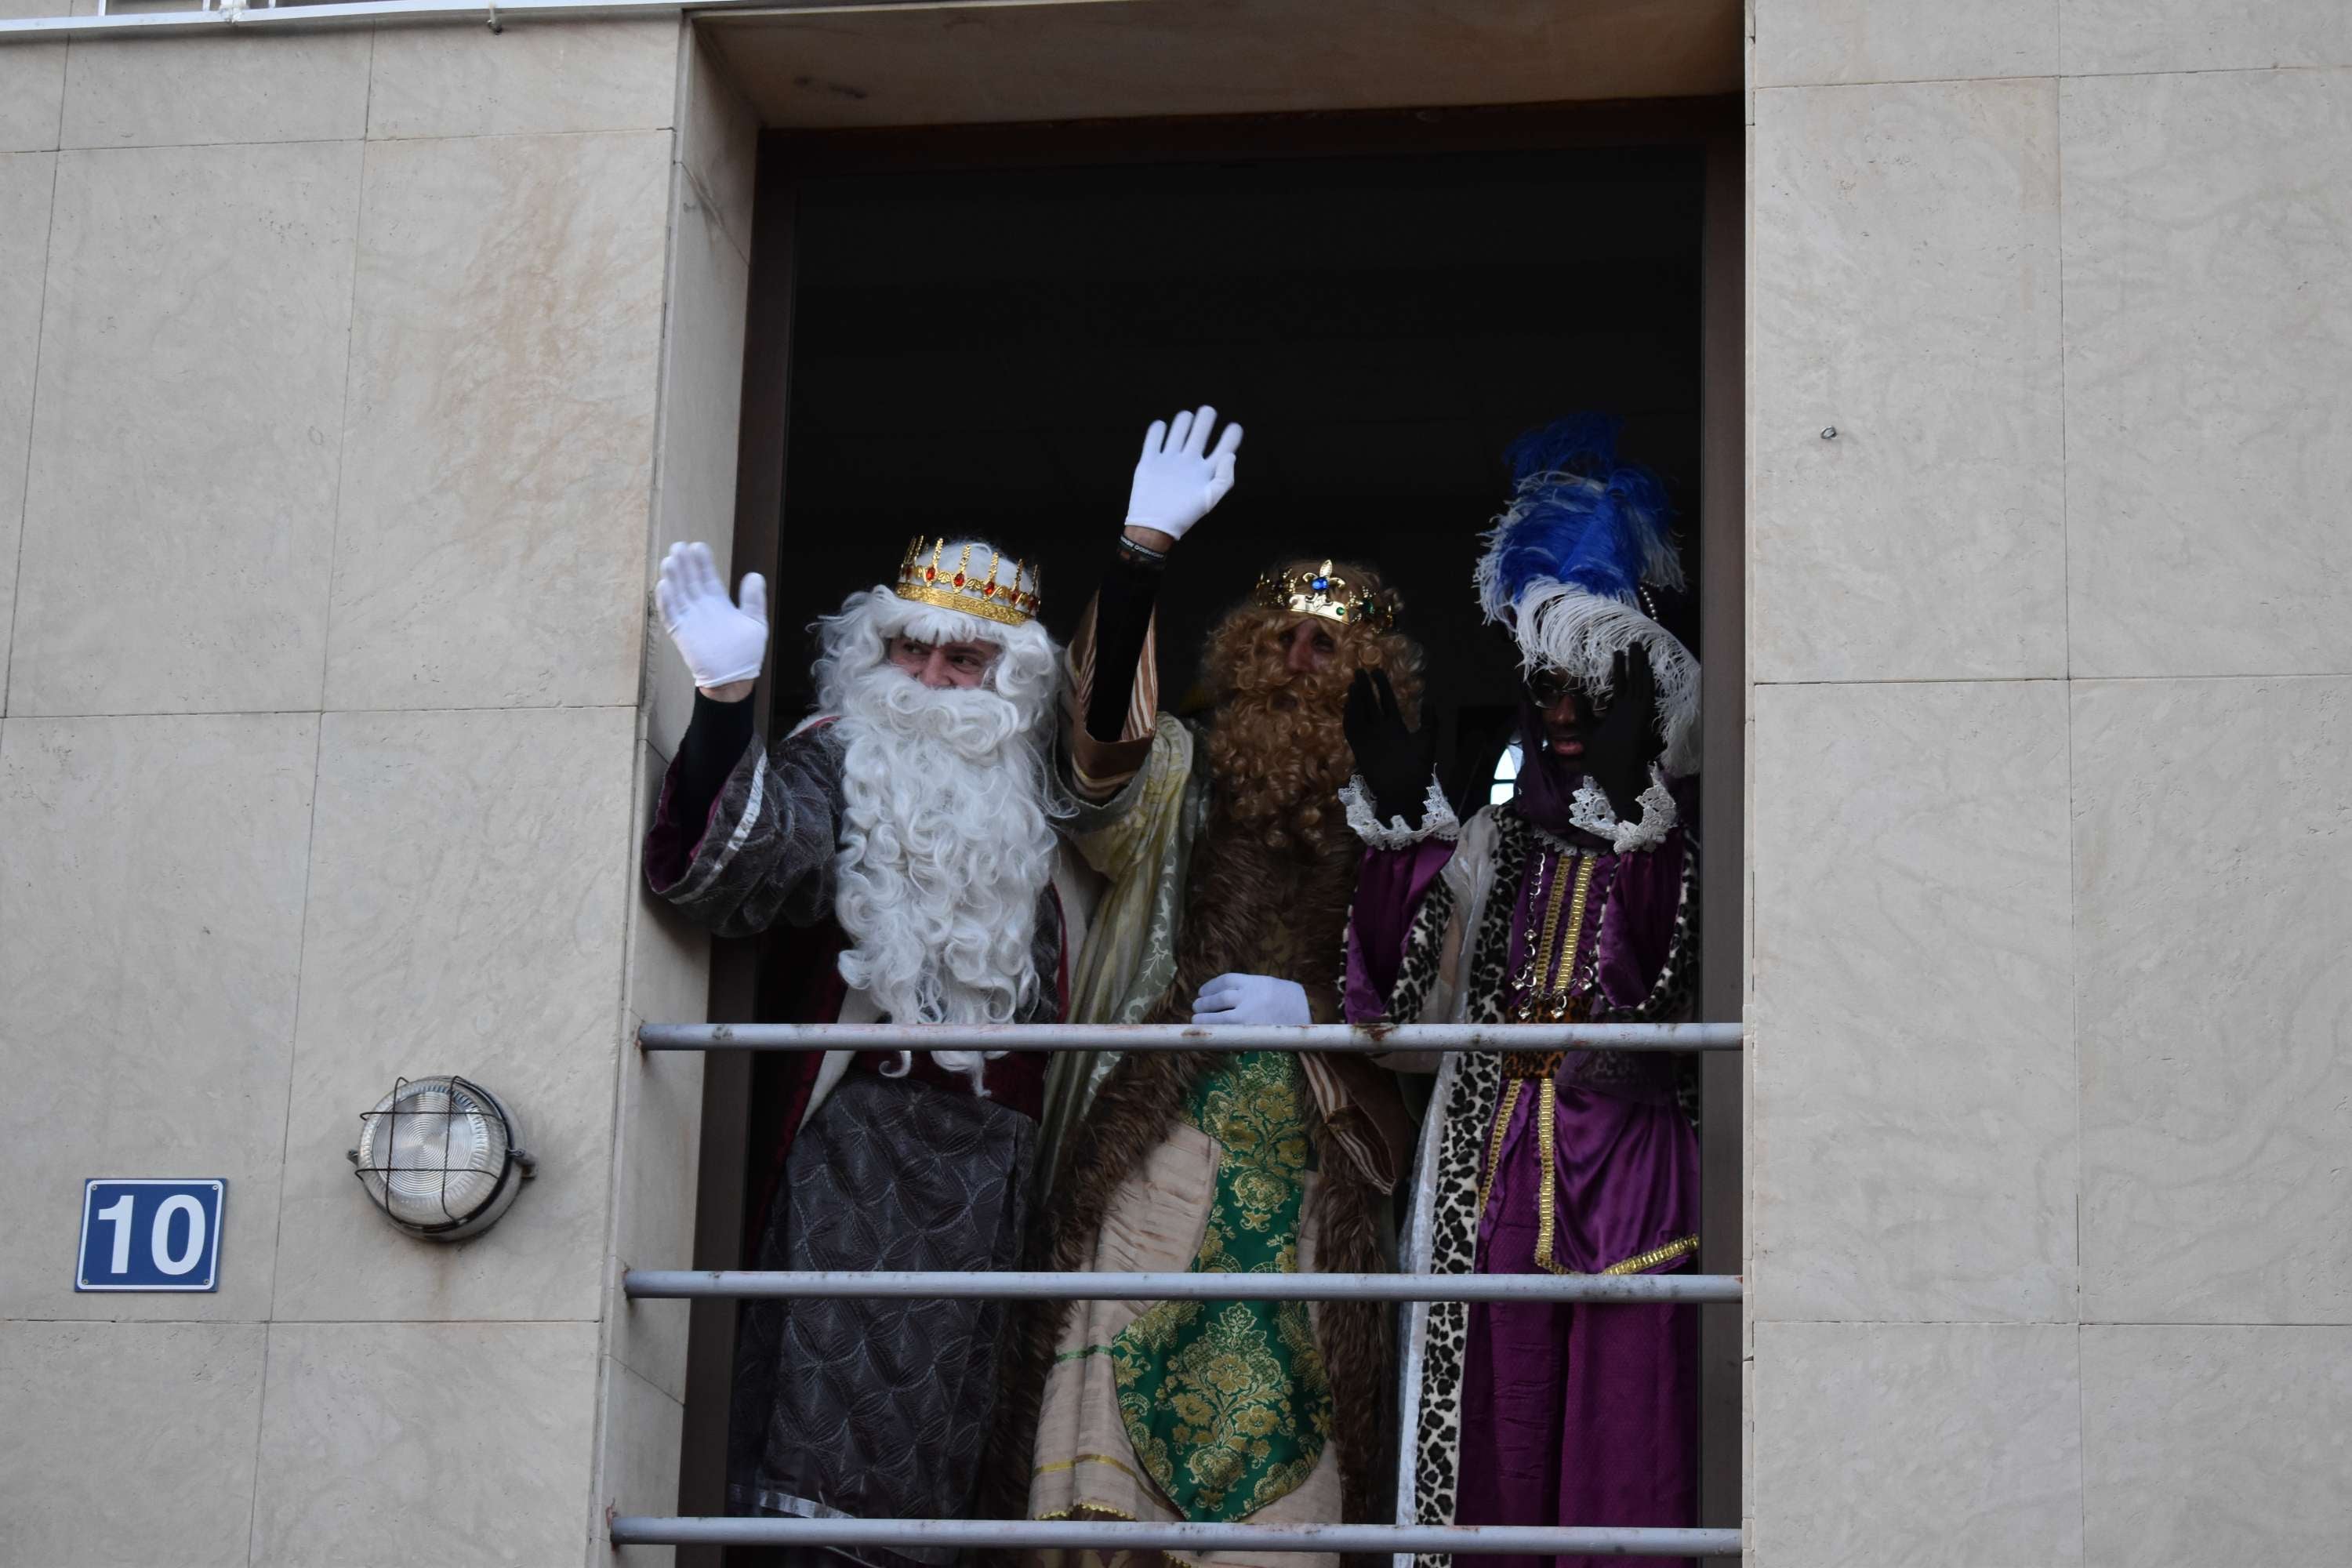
(978, 351)
(977, 347)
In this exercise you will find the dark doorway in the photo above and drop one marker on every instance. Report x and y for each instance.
(967, 330)
(981, 352)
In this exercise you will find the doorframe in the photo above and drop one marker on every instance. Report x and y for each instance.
(1710, 126)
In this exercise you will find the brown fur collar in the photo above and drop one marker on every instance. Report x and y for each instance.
(1256, 909)
(1253, 909)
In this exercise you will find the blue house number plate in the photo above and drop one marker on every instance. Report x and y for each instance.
(150, 1234)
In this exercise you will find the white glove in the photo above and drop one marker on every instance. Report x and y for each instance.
(1178, 479)
(1251, 999)
(719, 642)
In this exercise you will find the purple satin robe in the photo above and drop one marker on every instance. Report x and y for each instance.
(1571, 1414)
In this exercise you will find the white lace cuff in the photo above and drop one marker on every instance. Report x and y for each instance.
(1437, 818)
(1589, 809)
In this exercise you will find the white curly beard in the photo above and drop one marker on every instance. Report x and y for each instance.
(945, 839)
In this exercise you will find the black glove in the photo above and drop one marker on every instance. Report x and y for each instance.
(1394, 760)
(1625, 741)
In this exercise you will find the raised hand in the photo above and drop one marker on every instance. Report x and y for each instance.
(1394, 762)
(1178, 479)
(1625, 741)
(721, 643)
(1251, 999)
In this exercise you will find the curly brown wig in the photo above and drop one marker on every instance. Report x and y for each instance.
(1277, 749)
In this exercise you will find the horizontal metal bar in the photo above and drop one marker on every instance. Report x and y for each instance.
(1017, 1534)
(977, 1285)
(1358, 1039)
(369, 13)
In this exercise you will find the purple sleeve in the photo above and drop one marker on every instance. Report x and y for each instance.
(1637, 927)
(1389, 891)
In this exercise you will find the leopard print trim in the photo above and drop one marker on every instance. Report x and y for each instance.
(1454, 1231)
(1425, 950)
(1469, 1116)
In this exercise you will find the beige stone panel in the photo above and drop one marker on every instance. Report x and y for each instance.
(128, 1443)
(637, 1462)
(1903, 272)
(702, 382)
(32, 84)
(463, 1445)
(468, 880)
(2216, 1444)
(658, 1155)
(180, 505)
(670, 957)
(2111, 37)
(1808, 42)
(1912, 1147)
(1931, 1444)
(659, 1146)
(2213, 896)
(546, 77)
(150, 924)
(719, 138)
(2209, 355)
(506, 352)
(26, 180)
(159, 91)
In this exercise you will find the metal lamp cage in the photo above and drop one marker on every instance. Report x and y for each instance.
(433, 1135)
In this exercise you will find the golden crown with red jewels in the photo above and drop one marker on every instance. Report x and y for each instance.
(1006, 595)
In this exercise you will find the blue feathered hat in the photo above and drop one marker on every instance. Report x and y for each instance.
(1567, 559)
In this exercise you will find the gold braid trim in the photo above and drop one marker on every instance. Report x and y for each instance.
(1642, 1263)
(1058, 1467)
(1548, 1196)
(1495, 1148)
(1548, 1093)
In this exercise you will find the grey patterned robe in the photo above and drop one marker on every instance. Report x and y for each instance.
(873, 1408)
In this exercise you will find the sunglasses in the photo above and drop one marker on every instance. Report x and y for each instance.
(1545, 688)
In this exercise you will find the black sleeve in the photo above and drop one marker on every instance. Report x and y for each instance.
(714, 741)
(1122, 617)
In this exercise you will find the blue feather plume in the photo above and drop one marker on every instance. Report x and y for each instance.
(1576, 515)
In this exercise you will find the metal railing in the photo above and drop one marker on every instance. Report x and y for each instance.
(1016, 1534)
(882, 1284)
(656, 1284)
(1354, 1039)
(152, 21)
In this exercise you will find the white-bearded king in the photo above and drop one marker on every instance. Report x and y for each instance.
(899, 843)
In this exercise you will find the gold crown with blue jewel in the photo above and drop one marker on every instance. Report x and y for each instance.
(1006, 594)
(1325, 591)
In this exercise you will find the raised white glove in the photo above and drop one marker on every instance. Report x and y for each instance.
(1178, 479)
(1251, 999)
(719, 642)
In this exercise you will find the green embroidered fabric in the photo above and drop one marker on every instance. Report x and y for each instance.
(1227, 1402)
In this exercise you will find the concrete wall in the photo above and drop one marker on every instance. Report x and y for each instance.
(345, 381)
(2052, 647)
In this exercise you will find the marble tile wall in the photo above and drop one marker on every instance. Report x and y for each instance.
(332, 380)
(1913, 1150)
(658, 1137)
(2049, 1131)
(94, 1480)
(2216, 1444)
(1914, 308)
(2209, 344)
(1945, 1444)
